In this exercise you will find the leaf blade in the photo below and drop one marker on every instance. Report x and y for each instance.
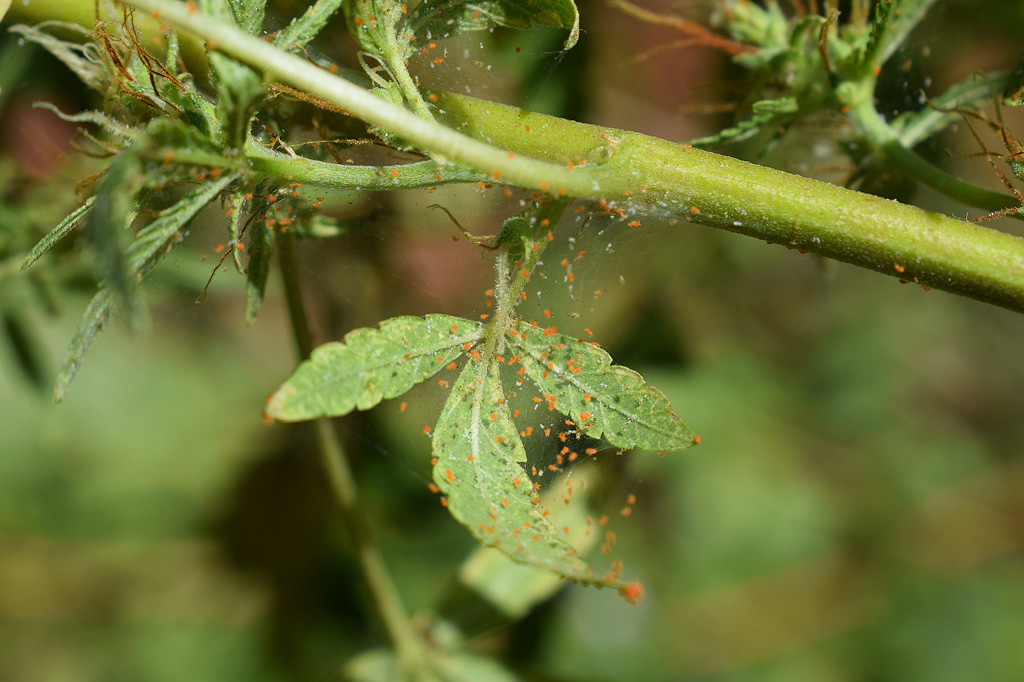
(261, 249)
(436, 20)
(602, 399)
(303, 29)
(59, 232)
(97, 316)
(477, 453)
(152, 242)
(248, 14)
(370, 365)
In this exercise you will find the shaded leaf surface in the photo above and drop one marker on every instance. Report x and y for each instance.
(382, 665)
(578, 379)
(435, 19)
(370, 365)
(261, 249)
(112, 212)
(151, 242)
(478, 451)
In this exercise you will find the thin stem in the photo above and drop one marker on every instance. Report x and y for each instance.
(280, 66)
(518, 256)
(346, 493)
(887, 142)
(663, 177)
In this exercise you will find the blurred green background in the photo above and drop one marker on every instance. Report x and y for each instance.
(853, 513)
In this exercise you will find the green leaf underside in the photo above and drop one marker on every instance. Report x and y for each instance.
(370, 365)
(478, 450)
(58, 233)
(602, 400)
(261, 248)
(436, 19)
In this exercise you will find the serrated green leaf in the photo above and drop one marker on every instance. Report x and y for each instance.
(370, 365)
(82, 58)
(435, 19)
(513, 588)
(913, 127)
(58, 233)
(477, 452)
(151, 242)
(248, 14)
(892, 21)
(156, 239)
(235, 212)
(261, 249)
(303, 29)
(765, 114)
(601, 399)
(95, 319)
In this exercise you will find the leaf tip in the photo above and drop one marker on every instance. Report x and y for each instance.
(276, 405)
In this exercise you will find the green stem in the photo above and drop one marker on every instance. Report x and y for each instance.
(414, 175)
(677, 182)
(398, 68)
(411, 650)
(280, 66)
(883, 138)
(663, 178)
(518, 256)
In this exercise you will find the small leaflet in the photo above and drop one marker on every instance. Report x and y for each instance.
(370, 365)
(248, 14)
(601, 399)
(477, 453)
(433, 20)
(303, 29)
(261, 248)
(151, 242)
(58, 233)
(95, 319)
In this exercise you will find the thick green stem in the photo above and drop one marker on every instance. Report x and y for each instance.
(660, 177)
(668, 179)
(375, 571)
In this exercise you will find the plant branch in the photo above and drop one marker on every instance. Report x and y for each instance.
(652, 175)
(342, 481)
(669, 179)
(887, 141)
(280, 66)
